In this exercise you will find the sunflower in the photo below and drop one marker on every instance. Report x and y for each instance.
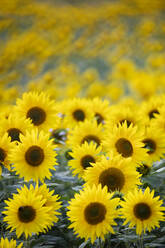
(101, 109)
(26, 213)
(154, 141)
(39, 108)
(15, 125)
(34, 156)
(50, 200)
(126, 141)
(5, 147)
(76, 111)
(5, 243)
(88, 131)
(115, 173)
(142, 210)
(83, 156)
(92, 212)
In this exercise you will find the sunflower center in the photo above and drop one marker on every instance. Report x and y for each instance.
(37, 115)
(90, 138)
(86, 160)
(95, 213)
(99, 118)
(150, 144)
(34, 155)
(142, 211)
(127, 122)
(26, 214)
(152, 112)
(14, 134)
(79, 115)
(124, 147)
(2, 155)
(113, 178)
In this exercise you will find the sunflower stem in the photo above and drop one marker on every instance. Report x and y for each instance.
(141, 244)
(100, 243)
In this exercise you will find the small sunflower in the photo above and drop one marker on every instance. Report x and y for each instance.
(34, 156)
(39, 108)
(88, 131)
(5, 243)
(5, 147)
(154, 141)
(142, 210)
(15, 125)
(115, 173)
(126, 141)
(92, 213)
(76, 111)
(83, 156)
(27, 214)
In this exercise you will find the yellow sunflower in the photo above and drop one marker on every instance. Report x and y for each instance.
(5, 147)
(5, 243)
(126, 141)
(34, 156)
(92, 213)
(83, 156)
(88, 131)
(76, 111)
(27, 214)
(39, 108)
(143, 210)
(154, 141)
(115, 173)
(15, 125)
(50, 200)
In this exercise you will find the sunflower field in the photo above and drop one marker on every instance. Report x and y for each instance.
(82, 127)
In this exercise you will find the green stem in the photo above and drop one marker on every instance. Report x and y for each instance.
(141, 243)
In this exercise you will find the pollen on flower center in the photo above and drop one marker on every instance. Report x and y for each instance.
(113, 178)
(86, 160)
(150, 144)
(34, 155)
(26, 214)
(90, 138)
(142, 211)
(14, 134)
(95, 213)
(79, 115)
(37, 115)
(124, 147)
(2, 155)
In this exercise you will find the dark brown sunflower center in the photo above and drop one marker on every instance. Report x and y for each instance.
(152, 112)
(26, 214)
(14, 134)
(34, 155)
(99, 118)
(90, 138)
(95, 213)
(86, 160)
(127, 122)
(142, 211)
(37, 115)
(149, 144)
(113, 178)
(2, 155)
(124, 147)
(79, 115)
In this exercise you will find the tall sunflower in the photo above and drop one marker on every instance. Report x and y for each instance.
(114, 173)
(126, 141)
(92, 212)
(15, 125)
(83, 156)
(39, 108)
(88, 131)
(143, 210)
(26, 213)
(34, 156)
(5, 243)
